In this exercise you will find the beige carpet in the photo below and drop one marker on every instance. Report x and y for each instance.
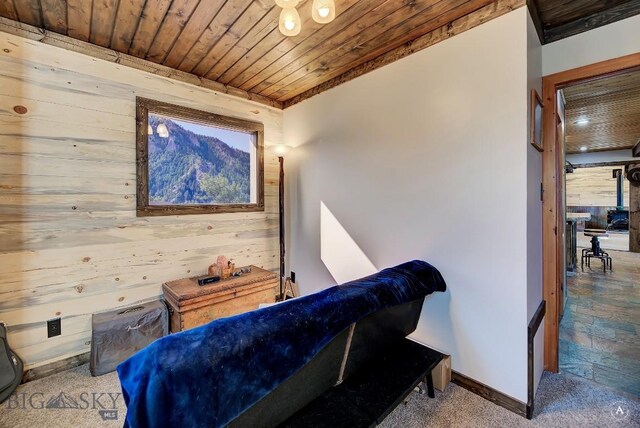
(75, 399)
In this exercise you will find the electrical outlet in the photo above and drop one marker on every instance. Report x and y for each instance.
(54, 327)
(293, 276)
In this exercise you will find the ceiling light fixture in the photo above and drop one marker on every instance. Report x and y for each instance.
(290, 24)
(322, 11)
(582, 121)
(286, 4)
(583, 148)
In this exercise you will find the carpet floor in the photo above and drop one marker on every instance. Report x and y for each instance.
(75, 399)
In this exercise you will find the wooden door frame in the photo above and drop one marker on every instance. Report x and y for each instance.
(552, 245)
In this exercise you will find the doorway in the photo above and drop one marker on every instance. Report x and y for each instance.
(601, 308)
(554, 218)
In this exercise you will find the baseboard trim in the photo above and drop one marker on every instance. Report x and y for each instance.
(55, 367)
(532, 329)
(488, 393)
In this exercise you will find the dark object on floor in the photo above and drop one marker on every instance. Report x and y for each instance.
(618, 220)
(211, 375)
(10, 366)
(595, 251)
(117, 335)
(371, 393)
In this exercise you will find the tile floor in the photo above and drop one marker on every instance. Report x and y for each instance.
(599, 331)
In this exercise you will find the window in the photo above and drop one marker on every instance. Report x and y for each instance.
(195, 162)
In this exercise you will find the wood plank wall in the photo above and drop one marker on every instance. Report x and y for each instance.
(71, 243)
(594, 187)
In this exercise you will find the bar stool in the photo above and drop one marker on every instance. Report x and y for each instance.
(595, 251)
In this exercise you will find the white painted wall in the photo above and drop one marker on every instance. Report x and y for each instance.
(600, 44)
(428, 158)
(597, 157)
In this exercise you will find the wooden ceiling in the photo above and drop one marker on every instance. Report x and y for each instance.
(612, 107)
(237, 42)
(557, 19)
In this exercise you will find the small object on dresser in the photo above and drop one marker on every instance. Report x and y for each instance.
(213, 270)
(208, 280)
(225, 267)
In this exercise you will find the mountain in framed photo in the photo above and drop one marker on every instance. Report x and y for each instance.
(186, 167)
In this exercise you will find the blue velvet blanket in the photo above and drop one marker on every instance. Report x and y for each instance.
(207, 376)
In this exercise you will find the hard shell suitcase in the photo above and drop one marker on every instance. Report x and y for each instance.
(118, 334)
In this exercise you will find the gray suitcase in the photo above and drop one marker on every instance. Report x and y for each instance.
(118, 334)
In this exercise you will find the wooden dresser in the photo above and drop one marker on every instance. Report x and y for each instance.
(191, 305)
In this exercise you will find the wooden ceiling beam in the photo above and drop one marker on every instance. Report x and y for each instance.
(318, 43)
(200, 19)
(487, 13)
(389, 17)
(126, 23)
(230, 13)
(394, 38)
(174, 21)
(7, 9)
(308, 36)
(152, 17)
(102, 21)
(259, 31)
(29, 12)
(54, 15)
(210, 49)
(107, 54)
(537, 20)
(598, 19)
(268, 44)
(79, 19)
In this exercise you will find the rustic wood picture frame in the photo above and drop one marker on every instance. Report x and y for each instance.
(536, 121)
(144, 106)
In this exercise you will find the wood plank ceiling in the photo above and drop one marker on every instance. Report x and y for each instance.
(237, 42)
(612, 108)
(557, 19)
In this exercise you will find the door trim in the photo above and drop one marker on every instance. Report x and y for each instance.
(552, 181)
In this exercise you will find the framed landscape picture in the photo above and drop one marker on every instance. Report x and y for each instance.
(194, 162)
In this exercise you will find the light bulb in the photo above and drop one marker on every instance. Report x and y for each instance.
(290, 22)
(323, 11)
(162, 131)
(280, 149)
(285, 4)
(149, 130)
